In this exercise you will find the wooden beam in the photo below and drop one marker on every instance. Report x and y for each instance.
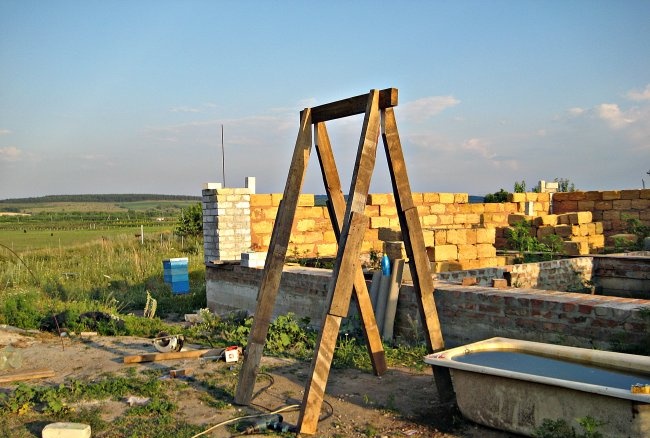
(274, 264)
(347, 259)
(337, 210)
(339, 294)
(39, 373)
(154, 357)
(351, 106)
(415, 249)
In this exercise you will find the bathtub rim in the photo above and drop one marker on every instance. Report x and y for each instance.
(621, 361)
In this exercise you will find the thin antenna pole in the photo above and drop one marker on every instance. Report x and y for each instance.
(223, 159)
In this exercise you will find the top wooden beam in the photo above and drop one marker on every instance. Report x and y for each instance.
(351, 106)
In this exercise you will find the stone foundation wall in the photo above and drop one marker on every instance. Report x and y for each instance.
(467, 313)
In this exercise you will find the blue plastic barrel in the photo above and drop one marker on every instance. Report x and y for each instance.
(175, 274)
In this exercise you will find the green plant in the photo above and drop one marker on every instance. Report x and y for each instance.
(561, 429)
(520, 187)
(190, 222)
(497, 197)
(564, 185)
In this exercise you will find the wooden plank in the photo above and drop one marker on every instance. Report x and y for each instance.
(347, 263)
(336, 205)
(154, 357)
(318, 375)
(352, 106)
(366, 155)
(38, 373)
(274, 264)
(415, 249)
(339, 294)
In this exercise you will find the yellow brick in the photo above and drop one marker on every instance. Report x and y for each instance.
(470, 236)
(446, 219)
(429, 220)
(460, 218)
(517, 197)
(329, 236)
(371, 210)
(428, 237)
(380, 199)
(461, 198)
(445, 253)
(484, 250)
(467, 252)
(440, 237)
(597, 241)
(531, 196)
(261, 200)
(394, 222)
(430, 198)
(418, 198)
(326, 249)
(485, 235)
(262, 227)
(437, 208)
(387, 210)
(378, 222)
(456, 237)
(473, 219)
(305, 225)
(446, 198)
(306, 200)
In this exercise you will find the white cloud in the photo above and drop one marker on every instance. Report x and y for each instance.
(4, 131)
(184, 109)
(427, 107)
(10, 153)
(639, 95)
(479, 146)
(576, 111)
(612, 114)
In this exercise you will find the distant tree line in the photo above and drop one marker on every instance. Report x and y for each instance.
(102, 198)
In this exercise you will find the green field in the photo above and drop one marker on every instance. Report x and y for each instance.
(29, 240)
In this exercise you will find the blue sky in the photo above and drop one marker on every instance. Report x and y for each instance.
(130, 96)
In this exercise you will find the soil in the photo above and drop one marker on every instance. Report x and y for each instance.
(402, 402)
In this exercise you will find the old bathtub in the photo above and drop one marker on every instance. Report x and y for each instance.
(517, 397)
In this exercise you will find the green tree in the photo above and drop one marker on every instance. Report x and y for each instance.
(500, 196)
(190, 222)
(520, 187)
(564, 185)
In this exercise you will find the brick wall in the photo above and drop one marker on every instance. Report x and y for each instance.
(609, 207)
(467, 313)
(226, 223)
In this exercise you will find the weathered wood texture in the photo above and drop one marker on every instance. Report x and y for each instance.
(337, 210)
(274, 264)
(154, 357)
(339, 295)
(351, 106)
(415, 248)
(347, 261)
(18, 376)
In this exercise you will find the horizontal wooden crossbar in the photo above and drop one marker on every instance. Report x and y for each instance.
(351, 106)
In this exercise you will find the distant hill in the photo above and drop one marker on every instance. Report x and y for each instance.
(101, 198)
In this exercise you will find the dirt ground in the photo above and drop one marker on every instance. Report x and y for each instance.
(357, 404)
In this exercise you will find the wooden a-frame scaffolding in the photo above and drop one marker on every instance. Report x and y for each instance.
(349, 223)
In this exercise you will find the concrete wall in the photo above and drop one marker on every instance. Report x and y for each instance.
(467, 313)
